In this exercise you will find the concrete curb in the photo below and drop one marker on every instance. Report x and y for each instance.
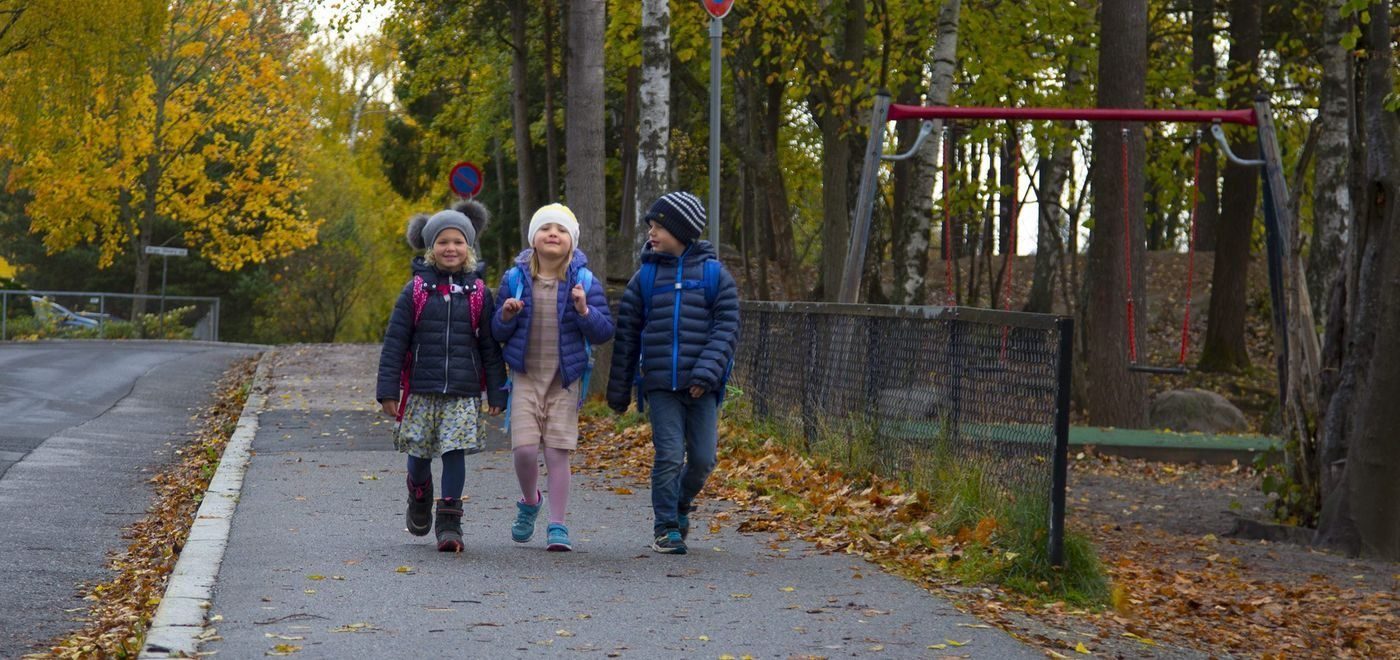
(179, 621)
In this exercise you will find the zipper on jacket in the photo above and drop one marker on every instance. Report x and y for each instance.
(447, 340)
(676, 321)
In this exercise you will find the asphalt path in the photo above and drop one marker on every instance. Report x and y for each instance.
(318, 563)
(83, 427)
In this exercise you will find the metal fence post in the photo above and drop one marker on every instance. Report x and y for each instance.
(1064, 372)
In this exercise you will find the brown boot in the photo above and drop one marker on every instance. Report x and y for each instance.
(449, 525)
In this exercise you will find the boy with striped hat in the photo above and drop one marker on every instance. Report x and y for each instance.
(677, 330)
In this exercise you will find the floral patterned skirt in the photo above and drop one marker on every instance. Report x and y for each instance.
(434, 424)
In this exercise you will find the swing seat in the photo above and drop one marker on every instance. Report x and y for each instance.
(1150, 369)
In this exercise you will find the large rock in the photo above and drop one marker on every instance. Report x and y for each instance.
(1196, 411)
(917, 402)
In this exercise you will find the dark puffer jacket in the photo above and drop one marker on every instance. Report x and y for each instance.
(515, 333)
(685, 341)
(448, 357)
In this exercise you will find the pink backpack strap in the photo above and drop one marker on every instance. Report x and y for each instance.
(420, 300)
(477, 301)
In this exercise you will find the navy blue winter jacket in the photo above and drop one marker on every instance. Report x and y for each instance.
(515, 333)
(684, 341)
(448, 357)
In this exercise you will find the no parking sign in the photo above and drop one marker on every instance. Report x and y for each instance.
(465, 179)
(718, 9)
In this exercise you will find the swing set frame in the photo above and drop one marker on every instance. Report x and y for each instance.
(1278, 224)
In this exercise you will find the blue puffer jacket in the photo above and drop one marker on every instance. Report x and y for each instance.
(684, 341)
(515, 333)
(448, 357)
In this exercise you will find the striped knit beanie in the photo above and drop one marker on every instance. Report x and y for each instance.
(679, 213)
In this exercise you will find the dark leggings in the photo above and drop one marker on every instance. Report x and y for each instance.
(454, 472)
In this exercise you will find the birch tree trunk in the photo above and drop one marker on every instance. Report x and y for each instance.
(1361, 513)
(1332, 205)
(654, 118)
(918, 207)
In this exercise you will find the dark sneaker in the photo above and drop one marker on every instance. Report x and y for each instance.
(558, 538)
(449, 525)
(419, 516)
(669, 543)
(684, 520)
(524, 528)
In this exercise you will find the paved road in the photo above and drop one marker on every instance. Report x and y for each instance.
(318, 559)
(83, 425)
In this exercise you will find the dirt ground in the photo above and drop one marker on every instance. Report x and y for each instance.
(1164, 532)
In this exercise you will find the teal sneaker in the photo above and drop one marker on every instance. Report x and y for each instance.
(524, 528)
(669, 543)
(558, 538)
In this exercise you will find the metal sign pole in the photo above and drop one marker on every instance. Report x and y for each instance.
(716, 32)
(164, 267)
(865, 202)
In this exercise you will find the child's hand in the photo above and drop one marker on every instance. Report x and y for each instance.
(510, 308)
(390, 406)
(696, 391)
(493, 410)
(580, 300)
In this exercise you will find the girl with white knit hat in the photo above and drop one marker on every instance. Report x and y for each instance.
(551, 309)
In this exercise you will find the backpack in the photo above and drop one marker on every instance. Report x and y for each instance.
(709, 279)
(420, 293)
(515, 283)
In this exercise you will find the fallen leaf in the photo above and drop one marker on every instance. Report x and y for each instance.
(1080, 648)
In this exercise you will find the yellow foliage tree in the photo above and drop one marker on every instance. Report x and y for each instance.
(204, 145)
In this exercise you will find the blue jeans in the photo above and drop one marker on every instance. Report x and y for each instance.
(685, 433)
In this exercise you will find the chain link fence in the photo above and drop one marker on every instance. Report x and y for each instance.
(919, 393)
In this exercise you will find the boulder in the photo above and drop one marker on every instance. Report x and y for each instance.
(1196, 411)
(918, 402)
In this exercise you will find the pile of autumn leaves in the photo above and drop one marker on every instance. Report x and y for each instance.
(1164, 590)
(122, 608)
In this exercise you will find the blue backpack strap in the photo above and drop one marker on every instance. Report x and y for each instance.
(585, 278)
(711, 280)
(514, 281)
(646, 281)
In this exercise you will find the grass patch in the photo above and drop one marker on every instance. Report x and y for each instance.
(927, 511)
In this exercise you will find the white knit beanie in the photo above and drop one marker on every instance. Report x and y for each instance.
(557, 214)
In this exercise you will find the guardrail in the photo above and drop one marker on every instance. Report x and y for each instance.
(73, 308)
